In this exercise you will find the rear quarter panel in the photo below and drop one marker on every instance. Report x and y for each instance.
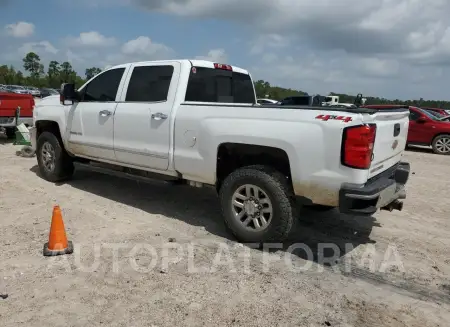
(312, 145)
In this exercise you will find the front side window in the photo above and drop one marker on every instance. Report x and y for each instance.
(104, 87)
(149, 84)
(413, 115)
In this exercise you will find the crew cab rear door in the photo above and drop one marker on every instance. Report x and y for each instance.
(390, 139)
(143, 120)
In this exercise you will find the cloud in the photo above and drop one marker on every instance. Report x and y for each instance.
(37, 47)
(143, 45)
(396, 27)
(141, 48)
(20, 29)
(268, 41)
(90, 39)
(216, 55)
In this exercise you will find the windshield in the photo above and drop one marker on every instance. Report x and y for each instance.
(434, 113)
(328, 99)
(428, 114)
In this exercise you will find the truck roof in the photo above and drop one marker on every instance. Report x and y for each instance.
(193, 62)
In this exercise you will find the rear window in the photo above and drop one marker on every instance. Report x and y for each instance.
(217, 85)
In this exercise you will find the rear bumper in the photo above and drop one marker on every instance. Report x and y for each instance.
(11, 121)
(381, 192)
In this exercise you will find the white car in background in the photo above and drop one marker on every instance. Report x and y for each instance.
(267, 101)
(18, 89)
(34, 91)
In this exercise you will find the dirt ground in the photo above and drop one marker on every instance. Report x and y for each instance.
(158, 255)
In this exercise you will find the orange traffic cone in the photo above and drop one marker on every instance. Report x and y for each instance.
(57, 239)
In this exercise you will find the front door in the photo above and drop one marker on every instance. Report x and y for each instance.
(92, 122)
(142, 121)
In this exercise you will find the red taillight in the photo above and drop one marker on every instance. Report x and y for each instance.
(222, 66)
(357, 146)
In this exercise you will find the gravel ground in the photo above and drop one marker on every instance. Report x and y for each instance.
(158, 255)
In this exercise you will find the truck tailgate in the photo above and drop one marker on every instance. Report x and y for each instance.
(390, 138)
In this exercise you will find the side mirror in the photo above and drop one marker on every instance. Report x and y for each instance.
(421, 120)
(68, 94)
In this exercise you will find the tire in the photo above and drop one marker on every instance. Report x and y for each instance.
(271, 186)
(10, 133)
(50, 145)
(441, 144)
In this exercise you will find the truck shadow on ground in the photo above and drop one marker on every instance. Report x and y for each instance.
(201, 207)
(4, 140)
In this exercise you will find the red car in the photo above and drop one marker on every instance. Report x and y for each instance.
(425, 128)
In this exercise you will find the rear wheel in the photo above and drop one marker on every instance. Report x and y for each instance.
(441, 144)
(54, 162)
(257, 205)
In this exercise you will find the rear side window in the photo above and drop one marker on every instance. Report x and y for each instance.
(217, 85)
(104, 87)
(149, 84)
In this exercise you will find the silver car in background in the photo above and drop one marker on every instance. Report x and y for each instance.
(34, 91)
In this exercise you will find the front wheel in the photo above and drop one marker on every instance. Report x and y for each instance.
(257, 205)
(54, 163)
(441, 144)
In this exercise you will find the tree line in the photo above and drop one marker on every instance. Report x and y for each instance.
(58, 73)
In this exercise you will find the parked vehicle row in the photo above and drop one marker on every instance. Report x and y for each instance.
(34, 91)
(198, 122)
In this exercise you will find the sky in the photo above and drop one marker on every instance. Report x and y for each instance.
(397, 49)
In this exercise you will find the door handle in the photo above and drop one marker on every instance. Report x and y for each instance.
(105, 113)
(159, 116)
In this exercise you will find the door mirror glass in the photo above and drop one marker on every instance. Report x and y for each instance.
(68, 94)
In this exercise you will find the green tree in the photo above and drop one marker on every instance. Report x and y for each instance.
(53, 74)
(4, 72)
(53, 69)
(32, 64)
(68, 75)
(91, 72)
(19, 78)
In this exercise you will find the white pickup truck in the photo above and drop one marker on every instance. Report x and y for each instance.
(198, 123)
